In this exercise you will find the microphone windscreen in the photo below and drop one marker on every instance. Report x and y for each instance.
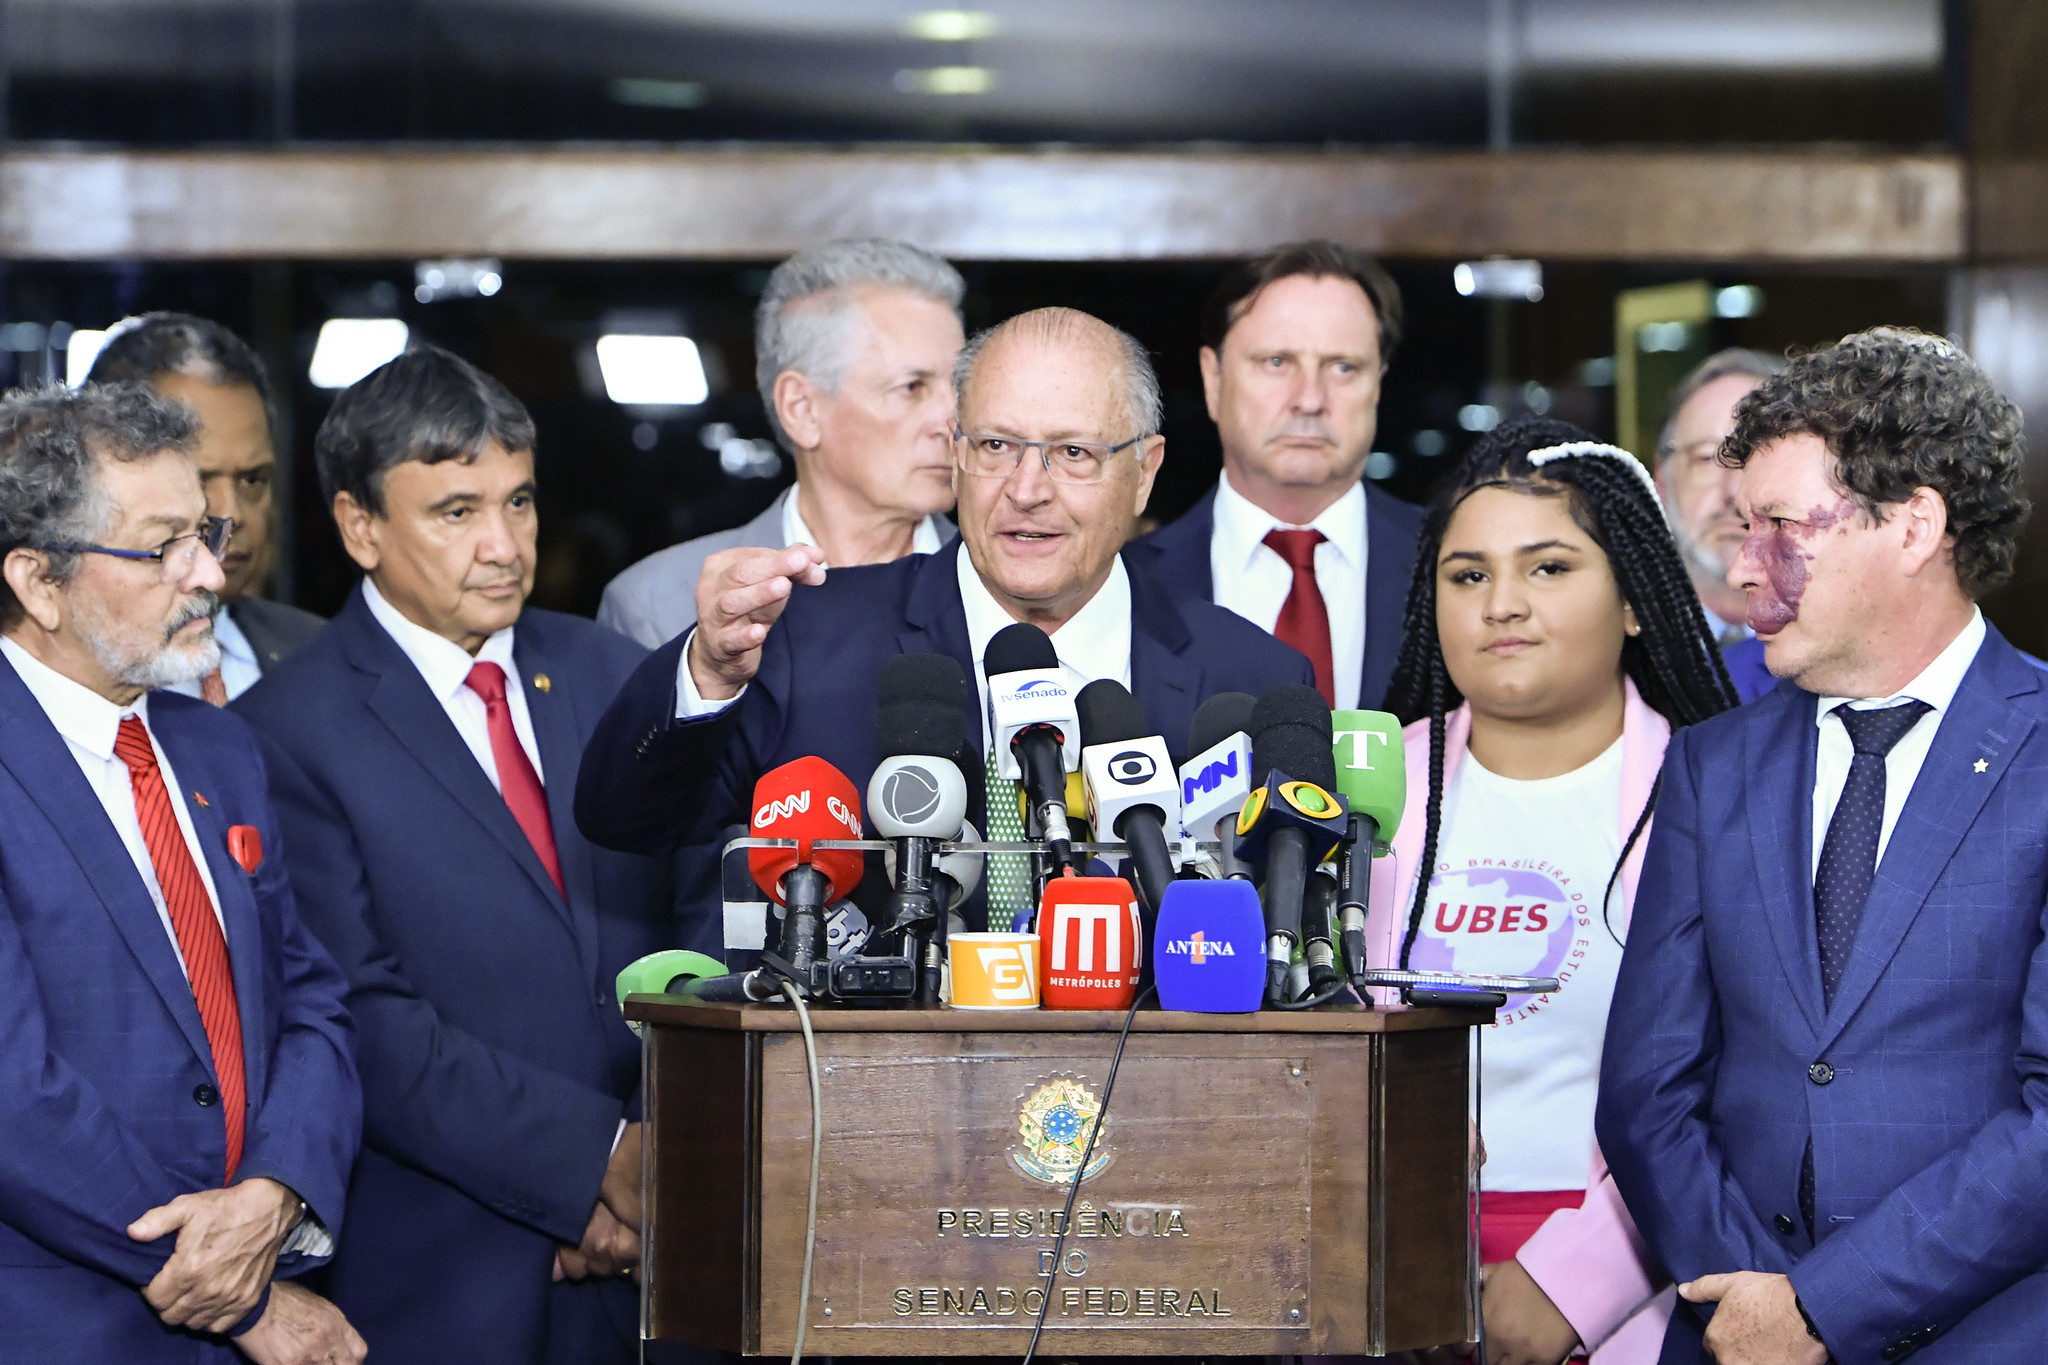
(1291, 731)
(1372, 766)
(1220, 717)
(805, 799)
(1018, 647)
(922, 704)
(1110, 714)
(1209, 948)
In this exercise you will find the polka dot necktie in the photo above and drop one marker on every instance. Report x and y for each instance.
(1007, 876)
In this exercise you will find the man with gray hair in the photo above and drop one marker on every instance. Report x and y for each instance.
(854, 344)
(1057, 447)
(182, 1105)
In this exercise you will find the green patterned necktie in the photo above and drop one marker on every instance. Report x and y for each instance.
(1006, 875)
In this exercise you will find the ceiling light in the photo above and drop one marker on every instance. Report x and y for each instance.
(457, 279)
(79, 353)
(952, 25)
(1499, 279)
(644, 93)
(946, 80)
(1738, 301)
(651, 371)
(350, 348)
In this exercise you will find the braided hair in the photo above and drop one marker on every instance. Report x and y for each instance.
(1673, 661)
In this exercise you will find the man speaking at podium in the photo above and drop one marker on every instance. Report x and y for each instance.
(1056, 448)
(1824, 1095)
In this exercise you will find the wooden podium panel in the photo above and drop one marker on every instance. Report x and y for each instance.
(1264, 1184)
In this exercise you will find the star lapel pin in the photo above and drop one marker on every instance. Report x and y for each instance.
(1981, 765)
(204, 804)
(543, 683)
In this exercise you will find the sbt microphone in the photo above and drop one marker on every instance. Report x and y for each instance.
(918, 795)
(1292, 821)
(1090, 944)
(806, 799)
(1207, 952)
(1132, 791)
(1216, 781)
(1034, 725)
(1372, 777)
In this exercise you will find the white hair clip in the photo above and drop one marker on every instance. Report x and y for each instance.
(1597, 450)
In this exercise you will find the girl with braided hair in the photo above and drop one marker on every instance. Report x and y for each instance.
(1552, 643)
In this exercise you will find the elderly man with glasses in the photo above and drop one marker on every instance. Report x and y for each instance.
(1055, 450)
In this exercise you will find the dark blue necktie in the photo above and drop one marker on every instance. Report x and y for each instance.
(1848, 862)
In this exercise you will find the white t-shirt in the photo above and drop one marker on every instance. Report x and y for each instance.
(1520, 871)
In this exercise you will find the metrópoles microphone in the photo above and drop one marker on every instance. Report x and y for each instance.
(1035, 729)
(918, 795)
(1216, 781)
(1372, 777)
(1133, 791)
(1291, 822)
(806, 799)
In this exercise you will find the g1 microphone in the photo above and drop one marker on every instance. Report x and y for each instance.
(1133, 792)
(1206, 954)
(1035, 728)
(1293, 821)
(918, 795)
(1090, 944)
(1372, 777)
(1216, 781)
(806, 799)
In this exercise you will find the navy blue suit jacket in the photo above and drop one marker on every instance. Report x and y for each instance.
(102, 1050)
(496, 1066)
(1923, 1089)
(651, 782)
(1178, 556)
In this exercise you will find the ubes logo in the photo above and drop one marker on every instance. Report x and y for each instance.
(1132, 767)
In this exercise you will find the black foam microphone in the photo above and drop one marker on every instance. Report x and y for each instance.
(918, 796)
(1293, 821)
(1133, 792)
(1034, 727)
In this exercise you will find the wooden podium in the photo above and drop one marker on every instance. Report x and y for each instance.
(1264, 1184)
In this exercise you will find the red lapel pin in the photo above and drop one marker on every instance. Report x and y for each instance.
(245, 842)
(204, 804)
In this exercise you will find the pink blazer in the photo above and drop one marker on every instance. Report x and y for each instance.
(1591, 1261)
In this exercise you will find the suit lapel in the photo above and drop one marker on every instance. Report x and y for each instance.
(1179, 553)
(934, 622)
(1389, 548)
(1946, 799)
(1166, 682)
(1778, 806)
(557, 732)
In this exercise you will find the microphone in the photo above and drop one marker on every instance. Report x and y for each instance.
(917, 795)
(1206, 953)
(806, 799)
(1090, 944)
(1372, 777)
(1133, 792)
(676, 971)
(1035, 728)
(1292, 822)
(1216, 781)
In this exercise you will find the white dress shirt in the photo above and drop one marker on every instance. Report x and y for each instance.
(1253, 580)
(445, 665)
(238, 667)
(926, 540)
(1936, 686)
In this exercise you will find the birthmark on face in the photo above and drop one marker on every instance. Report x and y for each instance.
(1783, 550)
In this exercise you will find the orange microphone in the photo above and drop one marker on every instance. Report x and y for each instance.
(806, 799)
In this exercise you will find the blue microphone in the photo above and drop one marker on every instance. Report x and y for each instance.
(1208, 953)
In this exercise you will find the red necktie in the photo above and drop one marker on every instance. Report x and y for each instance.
(193, 921)
(1304, 619)
(213, 689)
(516, 777)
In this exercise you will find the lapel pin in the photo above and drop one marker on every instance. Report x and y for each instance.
(1981, 765)
(543, 683)
(204, 804)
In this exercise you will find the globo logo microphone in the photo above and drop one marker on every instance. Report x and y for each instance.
(806, 799)
(1209, 954)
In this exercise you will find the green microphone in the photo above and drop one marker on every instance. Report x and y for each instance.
(667, 972)
(1372, 777)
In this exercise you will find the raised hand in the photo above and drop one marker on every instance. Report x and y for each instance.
(739, 595)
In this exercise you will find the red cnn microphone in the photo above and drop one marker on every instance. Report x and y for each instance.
(1090, 944)
(806, 800)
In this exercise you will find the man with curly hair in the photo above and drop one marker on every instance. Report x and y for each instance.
(1825, 1089)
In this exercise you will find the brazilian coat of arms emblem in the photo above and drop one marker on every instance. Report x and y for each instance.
(1054, 1122)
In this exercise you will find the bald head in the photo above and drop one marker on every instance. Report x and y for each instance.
(1112, 356)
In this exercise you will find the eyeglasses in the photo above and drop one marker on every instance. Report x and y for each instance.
(173, 558)
(992, 455)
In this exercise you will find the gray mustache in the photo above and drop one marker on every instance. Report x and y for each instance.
(203, 603)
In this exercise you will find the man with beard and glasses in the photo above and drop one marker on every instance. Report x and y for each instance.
(1698, 493)
(181, 1095)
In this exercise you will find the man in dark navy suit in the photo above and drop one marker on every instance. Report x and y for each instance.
(423, 751)
(1292, 538)
(1825, 1089)
(1057, 448)
(178, 1072)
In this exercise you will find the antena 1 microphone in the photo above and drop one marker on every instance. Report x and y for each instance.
(1372, 777)
(1216, 781)
(1035, 728)
(1293, 821)
(1207, 955)
(918, 795)
(806, 799)
(1132, 790)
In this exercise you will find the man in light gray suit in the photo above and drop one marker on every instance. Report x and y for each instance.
(855, 343)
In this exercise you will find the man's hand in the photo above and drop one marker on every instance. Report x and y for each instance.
(739, 595)
(301, 1328)
(1523, 1327)
(609, 1247)
(1757, 1321)
(620, 1191)
(227, 1248)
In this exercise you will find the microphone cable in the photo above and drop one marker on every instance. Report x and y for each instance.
(803, 1296)
(1059, 1240)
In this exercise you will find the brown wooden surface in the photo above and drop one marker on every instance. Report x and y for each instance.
(1267, 1142)
(670, 1009)
(761, 202)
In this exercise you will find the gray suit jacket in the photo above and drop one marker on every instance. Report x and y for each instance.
(656, 600)
(275, 631)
